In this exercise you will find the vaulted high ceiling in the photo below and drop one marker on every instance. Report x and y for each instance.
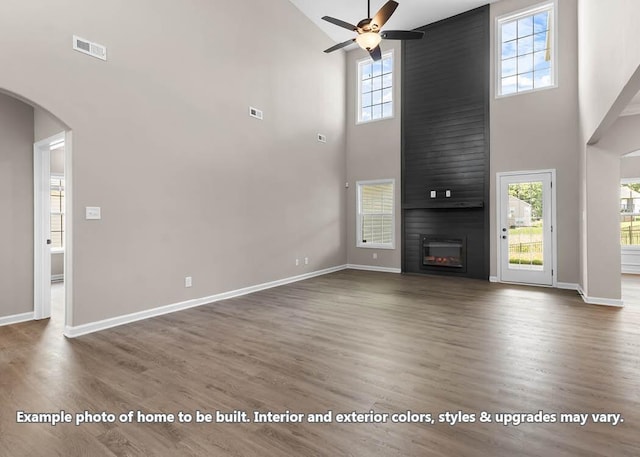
(409, 15)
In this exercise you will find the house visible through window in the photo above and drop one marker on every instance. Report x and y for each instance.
(375, 218)
(526, 51)
(375, 89)
(630, 214)
(57, 212)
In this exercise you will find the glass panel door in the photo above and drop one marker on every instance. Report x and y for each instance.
(526, 230)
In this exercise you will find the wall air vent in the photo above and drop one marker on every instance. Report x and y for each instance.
(90, 48)
(255, 112)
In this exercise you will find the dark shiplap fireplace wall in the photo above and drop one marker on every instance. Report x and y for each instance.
(445, 140)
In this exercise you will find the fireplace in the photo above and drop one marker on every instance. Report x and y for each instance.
(441, 252)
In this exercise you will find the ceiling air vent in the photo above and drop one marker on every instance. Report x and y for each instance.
(90, 48)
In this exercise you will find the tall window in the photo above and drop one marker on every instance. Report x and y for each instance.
(375, 89)
(630, 214)
(526, 51)
(375, 218)
(57, 212)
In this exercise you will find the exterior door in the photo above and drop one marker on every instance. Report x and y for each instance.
(526, 228)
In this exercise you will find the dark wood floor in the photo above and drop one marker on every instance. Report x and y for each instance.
(349, 341)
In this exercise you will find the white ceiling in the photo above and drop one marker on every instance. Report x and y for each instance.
(409, 15)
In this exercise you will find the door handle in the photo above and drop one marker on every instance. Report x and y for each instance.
(504, 237)
(48, 241)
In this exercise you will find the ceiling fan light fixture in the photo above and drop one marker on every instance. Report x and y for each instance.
(368, 40)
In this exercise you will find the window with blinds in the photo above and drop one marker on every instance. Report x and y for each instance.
(375, 218)
(57, 212)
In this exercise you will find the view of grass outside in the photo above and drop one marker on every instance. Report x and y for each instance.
(525, 225)
(630, 214)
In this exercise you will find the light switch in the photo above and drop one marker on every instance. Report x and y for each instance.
(447, 194)
(433, 194)
(92, 213)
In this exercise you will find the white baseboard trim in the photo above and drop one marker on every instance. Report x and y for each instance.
(75, 331)
(568, 286)
(16, 318)
(600, 301)
(57, 278)
(373, 268)
(493, 279)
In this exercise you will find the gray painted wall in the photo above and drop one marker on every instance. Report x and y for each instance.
(603, 172)
(609, 63)
(540, 130)
(609, 56)
(630, 167)
(373, 152)
(46, 125)
(16, 207)
(188, 183)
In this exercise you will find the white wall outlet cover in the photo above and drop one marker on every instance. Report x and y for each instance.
(93, 213)
(448, 194)
(188, 281)
(322, 138)
(255, 112)
(433, 194)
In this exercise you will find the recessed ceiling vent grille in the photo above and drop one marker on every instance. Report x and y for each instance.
(90, 48)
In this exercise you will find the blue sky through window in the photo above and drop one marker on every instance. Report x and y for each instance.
(527, 56)
(376, 89)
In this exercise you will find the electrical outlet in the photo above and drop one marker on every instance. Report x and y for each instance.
(433, 194)
(375, 255)
(297, 262)
(306, 260)
(188, 281)
(322, 138)
(447, 194)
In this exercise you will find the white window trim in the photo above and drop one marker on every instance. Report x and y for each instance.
(554, 47)
(359, 243)
(386, 54)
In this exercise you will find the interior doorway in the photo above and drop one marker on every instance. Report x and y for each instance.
(51, 227)
(526, 220)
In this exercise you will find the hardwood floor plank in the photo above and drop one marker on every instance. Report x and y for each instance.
(349, 341)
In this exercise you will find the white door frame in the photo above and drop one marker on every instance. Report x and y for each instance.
(42, 228)
(42, 204)
(554, 231)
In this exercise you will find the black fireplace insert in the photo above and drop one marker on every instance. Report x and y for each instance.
(442, 252)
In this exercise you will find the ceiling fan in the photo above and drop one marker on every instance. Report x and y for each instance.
(369, 34)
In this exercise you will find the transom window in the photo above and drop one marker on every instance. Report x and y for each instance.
(375, 89)
(526, 51)
(375, 218)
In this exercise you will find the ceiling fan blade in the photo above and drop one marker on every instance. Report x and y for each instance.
(384, 14)
(376, 53)
(340, 23)
(401, 35)
(340, 45)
